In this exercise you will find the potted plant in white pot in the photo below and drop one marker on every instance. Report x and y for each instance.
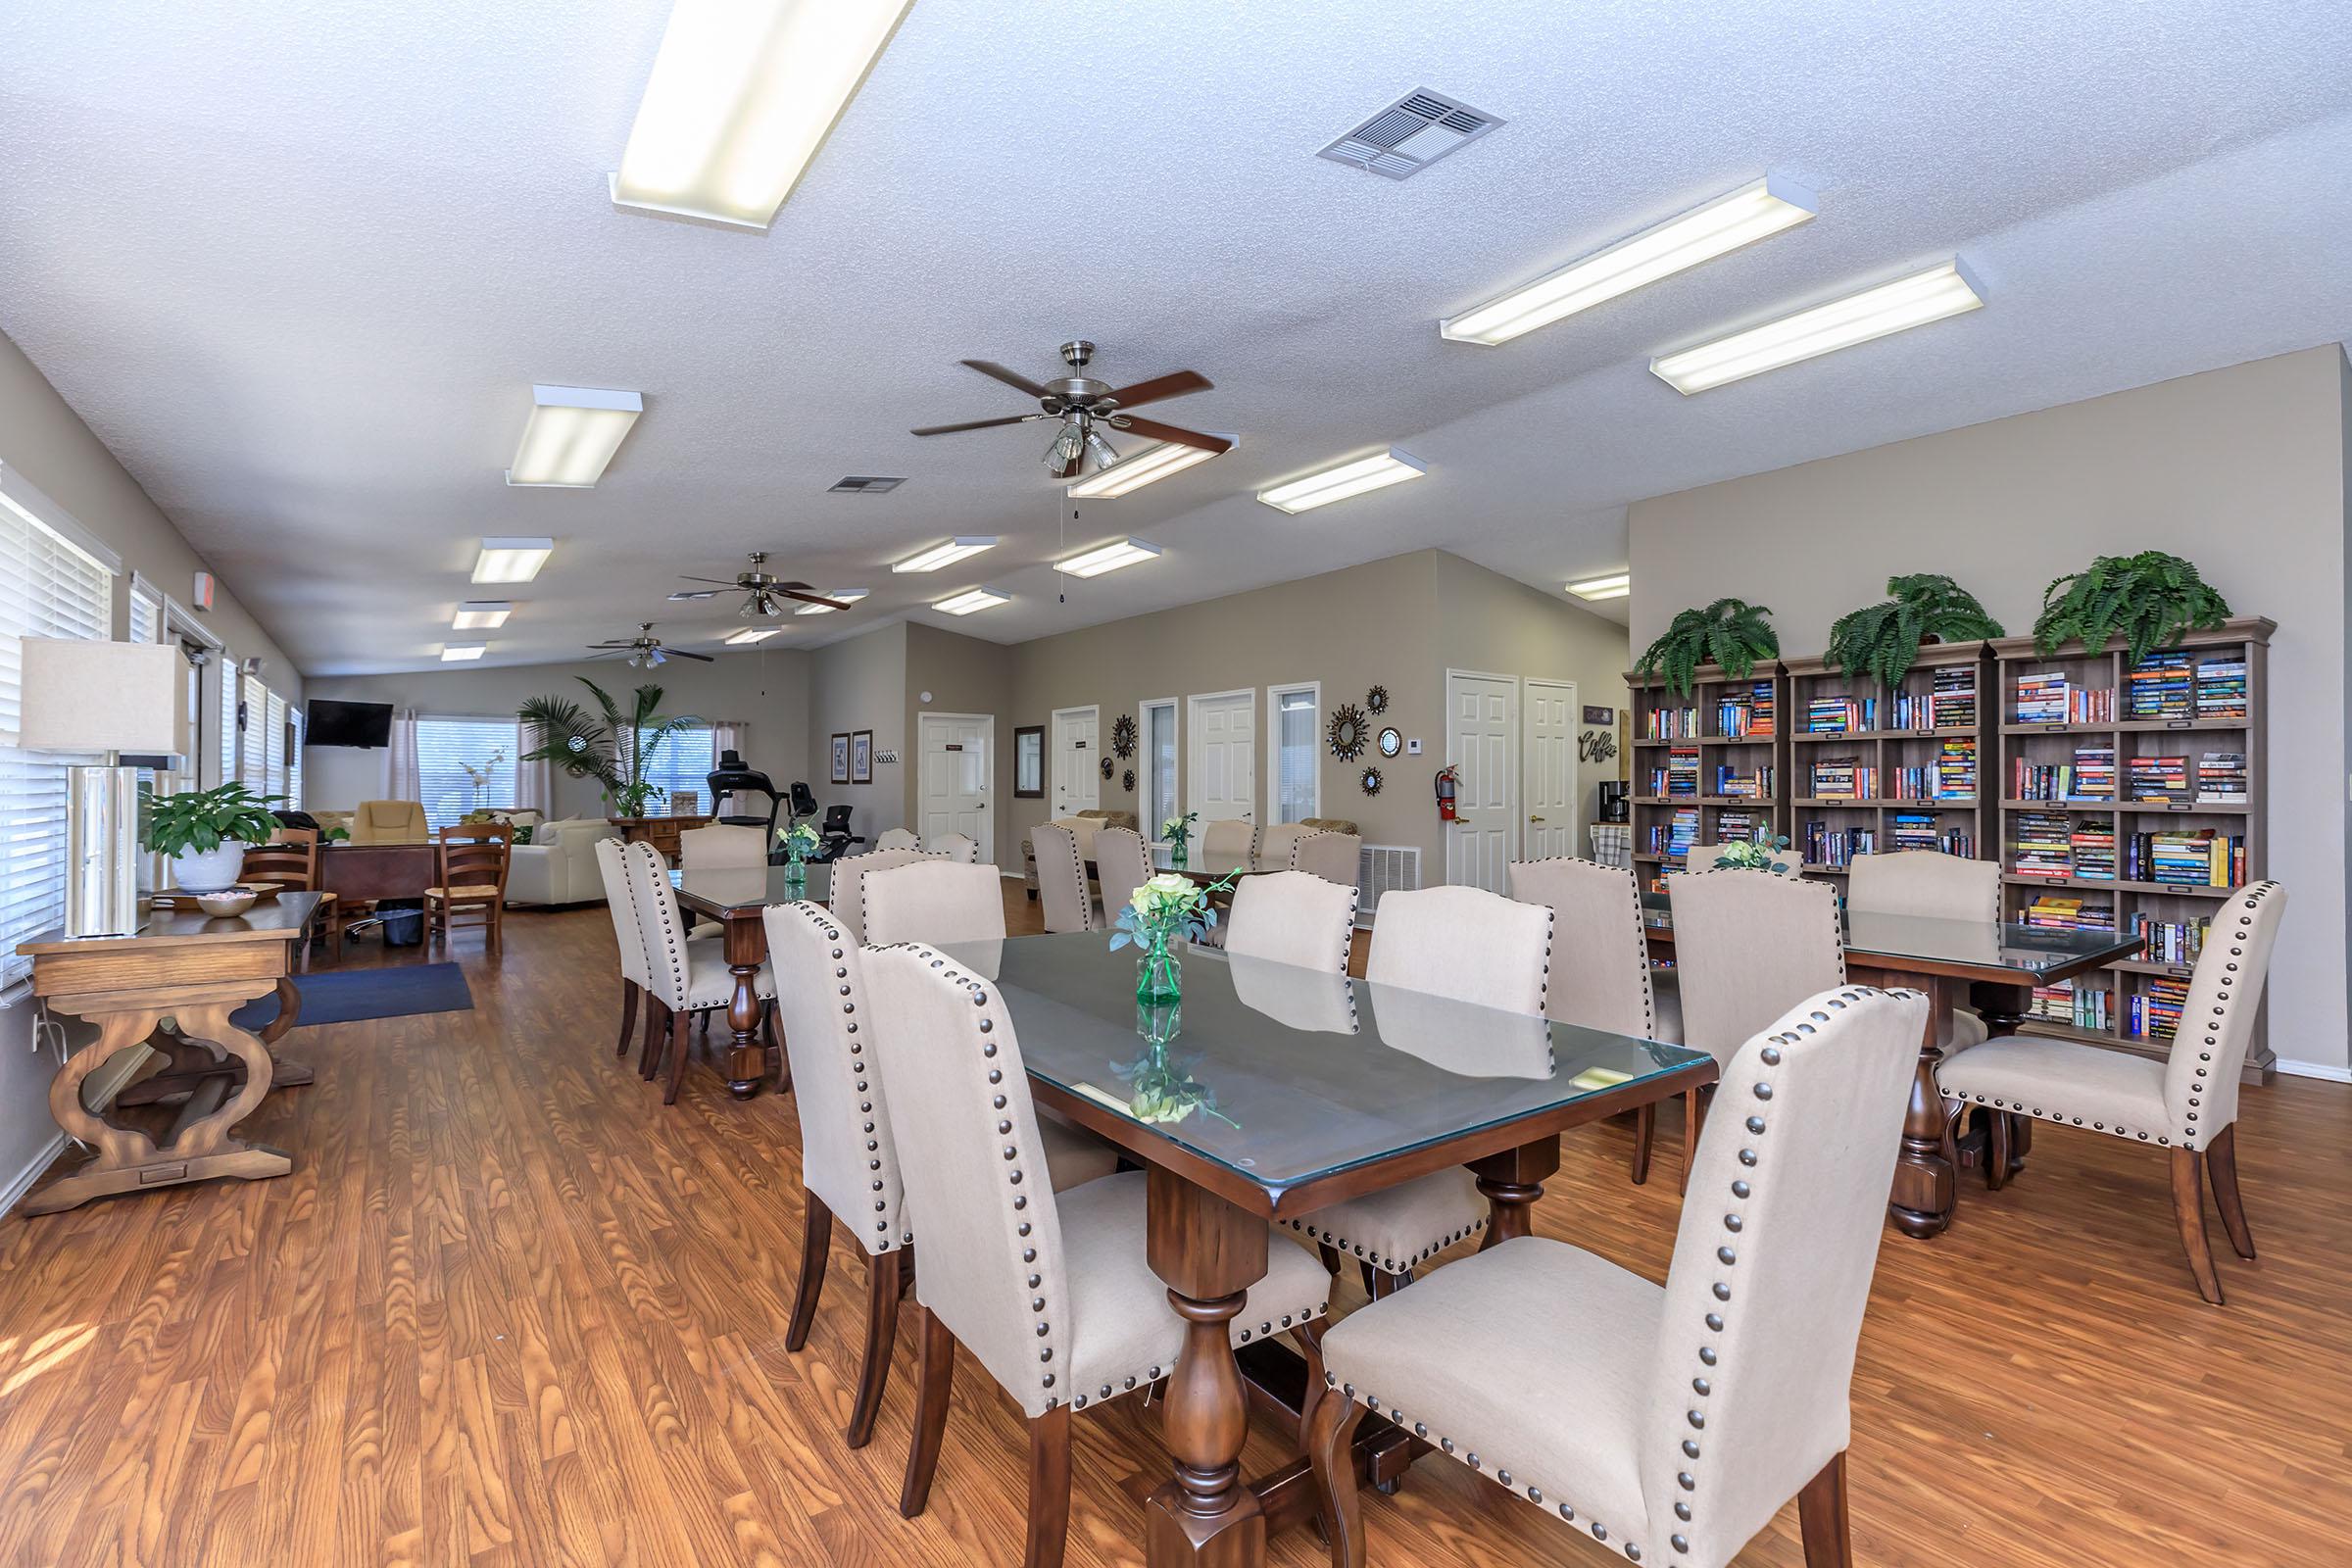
(206, 833)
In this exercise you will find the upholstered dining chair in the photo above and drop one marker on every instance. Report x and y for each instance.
(1935, 886)
(1472, 946)
(849, 883)
(620, 902)
(1291, 918)
(1062, 879)
(1227, 842)
(1675, 1420)
(849, 1158)
(1332, 855)
(2186, 1104)
(1053, 1292)
(1277, 840)
(899, 838)
(955, 847)
(1747, 945)
(685, 977)
(291, 860)
(470, 862)
(939, 901)
(1702, 858)
(1600, 975)
(723, 847)
(1121, 865)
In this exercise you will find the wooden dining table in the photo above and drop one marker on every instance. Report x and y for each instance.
(737, 899)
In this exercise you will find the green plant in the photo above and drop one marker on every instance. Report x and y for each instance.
(1750, 855)
(2150, 599)
(800, 840)
(200, 820)
(1881, 640)
(1730, 632)
(604, 745)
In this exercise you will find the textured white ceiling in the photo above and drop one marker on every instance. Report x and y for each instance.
(299, 263)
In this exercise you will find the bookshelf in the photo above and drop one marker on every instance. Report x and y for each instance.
(1709, 769)
(2093, 778)
(1872, 770)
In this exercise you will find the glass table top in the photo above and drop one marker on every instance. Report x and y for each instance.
(2027, 951)
(1282, 1074)
(732, 891)
(1198, 865)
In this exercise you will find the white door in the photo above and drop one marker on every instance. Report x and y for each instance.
(957, 756)
(1224, 757)
(1077, 781)
(1547, 769)
(1482, 740)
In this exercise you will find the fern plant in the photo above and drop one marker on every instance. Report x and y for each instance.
(2150, 598)
(1880, 641)
(604, 746)
(1730, 632)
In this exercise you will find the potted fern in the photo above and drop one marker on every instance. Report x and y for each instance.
(1880, 641)
(206, 833)
(611, 747)
(1730, 632)
(2148, 599)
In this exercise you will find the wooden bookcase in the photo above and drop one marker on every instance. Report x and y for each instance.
(1886, 748)
(1696, 729)
(2126, 813)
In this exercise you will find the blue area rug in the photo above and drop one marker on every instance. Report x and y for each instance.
(348, 996)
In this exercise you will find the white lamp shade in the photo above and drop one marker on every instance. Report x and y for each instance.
(90, 696)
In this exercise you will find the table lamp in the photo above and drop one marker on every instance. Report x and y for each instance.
(103, 699)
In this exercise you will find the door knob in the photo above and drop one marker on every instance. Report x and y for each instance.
(1535, 820)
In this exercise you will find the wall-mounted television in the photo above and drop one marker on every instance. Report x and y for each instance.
(333, 723)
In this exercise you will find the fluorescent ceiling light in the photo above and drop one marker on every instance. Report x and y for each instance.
(1612, 587)
(949, 554)
(1381, 470)
(1895, 307)
(1747, 215)
(846, 595)
(1110, 558)
(571, 434)
(481, 615)
(972, 599)
(1139, 468)
(742, 94)
(511, 560)
(752, 634)
(459, 653)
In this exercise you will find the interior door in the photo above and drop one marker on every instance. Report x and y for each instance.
(954, 782)
(1224, 757)
(1482, 740)
(1547, 769)
(1077, 780)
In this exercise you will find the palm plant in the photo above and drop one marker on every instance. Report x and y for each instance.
(610, 747)
(1881, 640)
(2150, 599)
(1730, 632)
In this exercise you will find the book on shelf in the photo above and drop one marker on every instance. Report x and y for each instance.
(2158, 780)
(1924, 830)
(1844, 778)
(2222, 687)
(1842, 714)
(2172, 941)
(2091, 776)
(2058, 912)
(1664, 724)
(2044, 846)
(1681, 772)
(2155, 1012)
(1755, 784)
(1674, 837)
(1747, 712)
(2161, 686)
(1825, 846)
(2093, 845)
(1949, 703)
(2221, 778)
(2050, 696)
(1740, 825)
(2062, 1002)
(2199, 858)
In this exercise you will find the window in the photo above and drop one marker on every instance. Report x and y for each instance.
(1293, 719)
(274, 759)
(467, 764)
(229, 715)
(294, 758)
(1157, 775)
(50, 586)
(253, 733)
(681, 762)
(146, 611)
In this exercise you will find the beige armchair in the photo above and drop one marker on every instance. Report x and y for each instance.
(558, 865)
(390, 822)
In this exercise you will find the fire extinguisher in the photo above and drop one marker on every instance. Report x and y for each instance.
(1448, 782)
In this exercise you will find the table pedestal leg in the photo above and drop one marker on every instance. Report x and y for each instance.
(1511, 1182)
(1208, 1253)
(1927, 1185)
(747, 1055)
(2004, 1014)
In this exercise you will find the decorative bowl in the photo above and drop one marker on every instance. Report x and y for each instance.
(226, 901)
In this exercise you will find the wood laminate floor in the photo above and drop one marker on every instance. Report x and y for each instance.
(508, 1310)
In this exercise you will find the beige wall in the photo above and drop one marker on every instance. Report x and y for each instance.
(2241, 470)
(861, 683)
(951, 673)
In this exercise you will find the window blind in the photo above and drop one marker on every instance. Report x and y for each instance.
(229, 715)
(273, 739)
(146, 611)
(451, 751)
(253, 744)
(294, 758)
(1296, 760)
(681, 762)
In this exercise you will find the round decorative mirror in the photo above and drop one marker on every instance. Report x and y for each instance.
(1371, 781)
(1347, 732)
(1127, 780)
(1123, 736)
(1106, 767)
(1391, 743)
(1377, 699)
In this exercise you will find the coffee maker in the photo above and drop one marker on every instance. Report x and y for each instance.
(1614, 799)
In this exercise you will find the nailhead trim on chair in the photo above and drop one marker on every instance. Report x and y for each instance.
(882, 1240)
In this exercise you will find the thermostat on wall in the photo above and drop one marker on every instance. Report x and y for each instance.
(1412, 748)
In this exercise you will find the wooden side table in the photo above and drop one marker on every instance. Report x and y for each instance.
(188, 971)
(662, 832)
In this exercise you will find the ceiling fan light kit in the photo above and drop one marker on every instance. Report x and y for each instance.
(572, 435)
(481, 615)
(1109, 557)
(957, 549)
(645, 650)
(1933, 295)
(1320, 489)
(511, 560)
(1087, 407)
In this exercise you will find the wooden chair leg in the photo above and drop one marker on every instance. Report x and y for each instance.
(930, 1412)
(775, 1046)
(2188, 1213)
(1371, 1277)
(816, 1242)
(1309, 1338)
(2221, 1167)
(1646, 1131)
(1821, 1514)
(1694, 1122)
(1385, 1283)
(630, 991)
(2000, 1138)
(680, 1045)
(656, 1030)
(1330, 1452)
(881, 1338)
(1332, 1261)
(1049, 1488)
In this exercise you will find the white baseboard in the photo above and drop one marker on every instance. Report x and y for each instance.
(23, 1178)
(2325, 1070)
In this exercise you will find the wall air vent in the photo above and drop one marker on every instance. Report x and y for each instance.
(1410, 134)
(866, 485)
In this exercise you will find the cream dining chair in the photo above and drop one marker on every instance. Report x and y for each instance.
(723, 847)
(2186, 1104)
(849, 883)
(1471, 946)
(1062, 879)
(1673, 1422)
(1051, 1293)
(1276, 844)
(1225, 844)
(1333, 856)
(1291, 918)
(939, 901)
(685, 977)
(1935, 886)
(899, 838)
(1121, 865)
(955, 847)
(620, 904)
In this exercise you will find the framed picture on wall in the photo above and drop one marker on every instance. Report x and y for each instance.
(841, 759)
(861, 757)
(1029, 762)
(1599, 715)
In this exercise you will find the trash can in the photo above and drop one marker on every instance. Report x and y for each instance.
(404, 921)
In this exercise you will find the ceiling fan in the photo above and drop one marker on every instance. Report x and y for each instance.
(645, 650)
(761, 589)
(1087, 407)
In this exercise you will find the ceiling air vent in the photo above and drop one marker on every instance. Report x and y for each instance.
(868, 484)
(1410, 134)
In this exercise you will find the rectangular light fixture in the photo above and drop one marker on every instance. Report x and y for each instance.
(1139, 468)
(972, 599)
(846, 595)
(742, 94)
(1896, 306)
(481, 615)
(949, 554)
(752, 634)
(1749, 214)
(1375, 473)
(511, 560)
(1110, 558)
(1611, 587)
(571, 434)
(460, 652)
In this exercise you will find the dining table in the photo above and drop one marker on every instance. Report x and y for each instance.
(736, 899)
(1265, 1092)
(2003, 961)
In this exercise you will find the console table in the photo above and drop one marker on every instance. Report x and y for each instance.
(662, 832)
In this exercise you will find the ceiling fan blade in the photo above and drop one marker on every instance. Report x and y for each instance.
(695, 593)
(1175, 384)
(1012, 378)
(818, 598)
(680, 653)
(974, 425)
(1170, 432)
(723, 582)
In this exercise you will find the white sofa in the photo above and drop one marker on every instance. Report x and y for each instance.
(559, 864)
